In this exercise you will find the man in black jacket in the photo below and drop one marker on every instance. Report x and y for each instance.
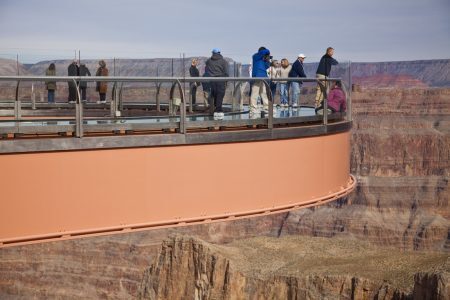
(194, 72)
(84, 71)
(217, 66)
(297, 71)
(323, 71)
(73, 70)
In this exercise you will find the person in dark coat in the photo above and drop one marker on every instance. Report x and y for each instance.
(84, 71)
(51, 85)
(102, 86)
(297, 71)
(323, 71)
(194, 72)
(73, 70)
(217, 66)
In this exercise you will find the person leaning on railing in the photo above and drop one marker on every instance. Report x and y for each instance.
(102, 86)
(194, 72)
(336, 100)
(284, 85)
(50, 85)
(297, 71)
(323, 71)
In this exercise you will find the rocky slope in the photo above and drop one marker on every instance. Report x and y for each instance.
(401, 157)
(292, 268)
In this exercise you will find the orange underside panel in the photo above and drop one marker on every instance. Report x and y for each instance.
(44, 194)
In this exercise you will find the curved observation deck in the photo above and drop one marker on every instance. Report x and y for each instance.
(69, 177)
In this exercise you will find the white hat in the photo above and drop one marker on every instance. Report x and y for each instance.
(301, 55)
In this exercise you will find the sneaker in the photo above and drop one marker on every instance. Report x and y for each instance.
(103, 102)
(218, 116)
(294, 105)
(253, 115)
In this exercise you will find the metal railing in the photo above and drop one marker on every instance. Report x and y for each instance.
(176, 84)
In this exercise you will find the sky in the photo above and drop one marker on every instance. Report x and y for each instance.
(359, 30)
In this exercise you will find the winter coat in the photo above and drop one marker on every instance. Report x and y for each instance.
(336, 99)
(284, 73)
(260, 63)
(325, 64)
(274, 72)
(102, 86)
(297, 70)
(84, 71)
(217, 66)
(50, 85)
(73, 70)
(194, 72)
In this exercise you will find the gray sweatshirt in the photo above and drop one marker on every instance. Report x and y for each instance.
(217, 66)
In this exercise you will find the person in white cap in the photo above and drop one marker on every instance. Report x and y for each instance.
(296, 72)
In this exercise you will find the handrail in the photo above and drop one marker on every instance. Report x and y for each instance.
(176, 82)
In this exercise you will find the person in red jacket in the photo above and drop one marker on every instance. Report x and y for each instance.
(337, 101)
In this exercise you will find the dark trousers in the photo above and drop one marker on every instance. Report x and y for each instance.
(83, 93)
(193, 93)
(51, 96)
(72, 92)
(217, 94)
(102, 96)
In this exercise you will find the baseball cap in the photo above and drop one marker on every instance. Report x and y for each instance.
(301, 55)
(216, 50)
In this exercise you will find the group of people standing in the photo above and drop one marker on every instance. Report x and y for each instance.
(76, 69)
(263, 66)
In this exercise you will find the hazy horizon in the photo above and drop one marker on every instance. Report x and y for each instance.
(359, 31)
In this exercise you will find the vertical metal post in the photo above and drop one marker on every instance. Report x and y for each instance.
(270, 98)
(17, 64)
(17, 104)
(33, 97)
(182, 108)
(158, 87)
(78, 113)
(349, 100)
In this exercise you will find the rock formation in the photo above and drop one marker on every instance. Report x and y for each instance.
(186, 268)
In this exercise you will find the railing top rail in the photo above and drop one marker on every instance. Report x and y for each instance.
(157, 79)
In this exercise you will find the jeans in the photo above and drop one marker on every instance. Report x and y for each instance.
(284, 88)
(51, 96)
(296, 87)
(102, 96)
(217, 94)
